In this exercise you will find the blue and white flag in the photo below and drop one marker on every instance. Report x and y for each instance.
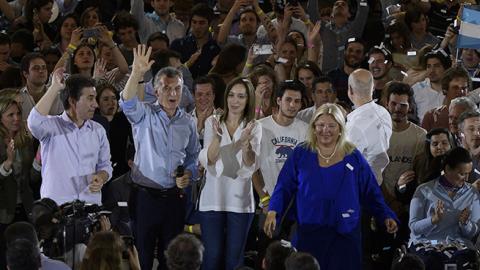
(469, 33)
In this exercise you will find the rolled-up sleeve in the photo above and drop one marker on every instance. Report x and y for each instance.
(104, 163)
(192, 151)
(40, 125)
(133, 109)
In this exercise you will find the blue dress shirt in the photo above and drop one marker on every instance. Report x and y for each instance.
(161, 143)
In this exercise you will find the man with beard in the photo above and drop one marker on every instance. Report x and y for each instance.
(428, 94)
(323, 92)
(248, 24)
(455, 83)
(158, 21)
(369, 126)
(198, 48)
(354, 56)
(469, 126)
(379, 63)
(336, 32)
(34, 70)
(281, 132)
(457, 107)
(406, 142)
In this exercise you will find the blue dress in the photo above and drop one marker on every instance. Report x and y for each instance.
(328, 205)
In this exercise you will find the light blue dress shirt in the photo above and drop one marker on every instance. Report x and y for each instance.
(422, 207)
(70, 156)
(161, 143)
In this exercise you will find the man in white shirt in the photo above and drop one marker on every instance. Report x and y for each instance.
(281, 132)
(369, 126)
(428, 93)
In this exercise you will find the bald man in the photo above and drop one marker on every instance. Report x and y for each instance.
(369, 126)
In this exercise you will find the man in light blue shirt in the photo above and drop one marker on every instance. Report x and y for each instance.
(165, 138)
(74, 149)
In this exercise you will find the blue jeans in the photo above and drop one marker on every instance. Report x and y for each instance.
(224, 235)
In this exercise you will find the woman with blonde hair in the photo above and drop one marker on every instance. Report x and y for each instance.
(331, 182)
(230, 154)
(16, 169)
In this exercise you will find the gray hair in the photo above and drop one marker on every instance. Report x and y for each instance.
(465, 102)
(169, 72)
(467, 115)
(361, 86)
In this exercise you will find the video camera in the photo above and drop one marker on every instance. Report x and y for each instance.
(61, 228)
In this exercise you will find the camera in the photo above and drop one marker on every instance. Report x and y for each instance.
(91, 32)
(61, 228)
(127, 245)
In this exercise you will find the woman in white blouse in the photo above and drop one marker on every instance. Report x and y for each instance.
(230, 153)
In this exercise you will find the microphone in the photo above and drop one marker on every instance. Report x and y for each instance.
(180, 171)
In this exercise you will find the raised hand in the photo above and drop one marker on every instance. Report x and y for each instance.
(246, 135)
(406, 178)
(313, 34)
(7, 164)
(58, 79)
(100, 68)
(193, 58)
(464, 216)
(438, 212)
(141, 60)
(76, 37)
(216, 123)
(105, 36)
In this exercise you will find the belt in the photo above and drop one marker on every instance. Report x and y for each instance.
(157, 192)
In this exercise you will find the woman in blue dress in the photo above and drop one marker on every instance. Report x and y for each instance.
(330, 182)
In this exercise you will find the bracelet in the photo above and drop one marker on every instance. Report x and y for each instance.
(310, 45)
(264, 199)
(248, 65)
(140, 82)
(307, 22)
(260, 12)
(258, 110)
(71, 46)
(190, 228)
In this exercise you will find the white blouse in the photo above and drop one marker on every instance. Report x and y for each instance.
(228, 184)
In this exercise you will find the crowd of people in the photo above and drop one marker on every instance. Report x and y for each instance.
(238, 134)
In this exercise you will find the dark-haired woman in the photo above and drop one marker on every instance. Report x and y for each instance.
(445, 212)
(427, 166)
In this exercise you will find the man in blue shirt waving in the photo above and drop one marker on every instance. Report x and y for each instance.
(165, 138)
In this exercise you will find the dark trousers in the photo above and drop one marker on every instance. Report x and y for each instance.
(158, 217)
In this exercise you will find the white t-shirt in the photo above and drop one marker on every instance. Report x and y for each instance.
(228, 186)
(277, 144)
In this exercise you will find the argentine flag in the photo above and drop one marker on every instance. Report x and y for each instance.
(469, 33)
